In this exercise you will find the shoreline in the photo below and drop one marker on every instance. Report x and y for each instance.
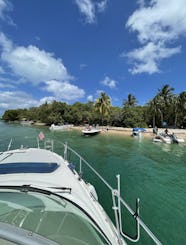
(181, 133)
(122, 131)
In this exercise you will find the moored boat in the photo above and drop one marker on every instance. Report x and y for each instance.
(26, 122)
(168, 138)
(44, 200)
(138, 131)
(54, 127)
(91, 130)
(176, 139)
(162, 138)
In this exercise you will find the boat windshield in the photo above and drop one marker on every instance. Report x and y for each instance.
(49, 216)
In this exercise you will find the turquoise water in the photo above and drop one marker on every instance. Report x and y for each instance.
(156, 173)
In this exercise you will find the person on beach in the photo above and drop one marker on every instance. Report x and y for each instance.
(166, 131)
(155, 130)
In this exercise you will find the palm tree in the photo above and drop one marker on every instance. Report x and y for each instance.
(181, 99)
(166, 93)
(153, 107)
(130, 102)
(165, 97)
(103, 105)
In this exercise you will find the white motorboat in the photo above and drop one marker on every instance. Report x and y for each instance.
(162, 138)
(44, 200)
(138, 132)
(176, 139)
(26, 123)
(156, 139)
(91, 130)
(54, 127)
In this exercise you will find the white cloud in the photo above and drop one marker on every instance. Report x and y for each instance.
(37, 38)
(2, 70)
(5, 6)
(16, 99)
(31, 63)
(101, 6)
(146, 58)
(160, 20)
(98, 92)
(5, 43)
(158, 24)
(82, 66)
(3, 85)
(64, 90)
(90, 98)
(109, 82)
(89, 9)
(48, 99)
(39, 67)
(141, 3)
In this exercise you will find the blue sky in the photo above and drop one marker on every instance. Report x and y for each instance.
(71, 50)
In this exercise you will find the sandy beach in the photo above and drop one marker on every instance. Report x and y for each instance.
(181, 133)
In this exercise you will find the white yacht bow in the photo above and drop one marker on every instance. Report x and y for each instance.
(42, 193)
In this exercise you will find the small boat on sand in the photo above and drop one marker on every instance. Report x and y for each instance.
(91, 130)
(168, 138)
(162, 138)
(63, 127)
(176, 139)
(138, 131)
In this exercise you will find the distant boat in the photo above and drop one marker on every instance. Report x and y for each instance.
(26, 122)
(176, 139)
(54, 127)
(91, 130)
(168, 138)
(137, 131)
(162, 138)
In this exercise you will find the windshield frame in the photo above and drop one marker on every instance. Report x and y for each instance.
(29, 188)
(20, 236)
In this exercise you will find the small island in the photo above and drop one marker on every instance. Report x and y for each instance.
(165, 110)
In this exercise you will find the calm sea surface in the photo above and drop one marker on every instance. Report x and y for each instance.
(156, 173)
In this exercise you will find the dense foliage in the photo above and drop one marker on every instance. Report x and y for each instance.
(165, 109)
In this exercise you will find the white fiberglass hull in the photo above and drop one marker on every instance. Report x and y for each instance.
(64, 181)
(91, 131)
(60, 127)
(42, 193)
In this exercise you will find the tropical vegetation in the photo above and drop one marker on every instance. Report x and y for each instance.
(165, 109)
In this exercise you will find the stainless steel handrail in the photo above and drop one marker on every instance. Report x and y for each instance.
(120, 199)
(117, 192)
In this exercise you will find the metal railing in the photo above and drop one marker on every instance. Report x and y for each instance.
(116, 205)
(116, 197)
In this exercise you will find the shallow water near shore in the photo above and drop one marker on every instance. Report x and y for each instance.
(151, 171)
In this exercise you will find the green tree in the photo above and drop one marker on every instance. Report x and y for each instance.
(103, 106)
(11, 115)
(166, 93)
(130, 102)
(164, 97)
(182, 109)
(134, 117)
(153, 108)
(116, 117)
(44, 112)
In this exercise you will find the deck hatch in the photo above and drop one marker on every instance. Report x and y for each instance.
(28, 167)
